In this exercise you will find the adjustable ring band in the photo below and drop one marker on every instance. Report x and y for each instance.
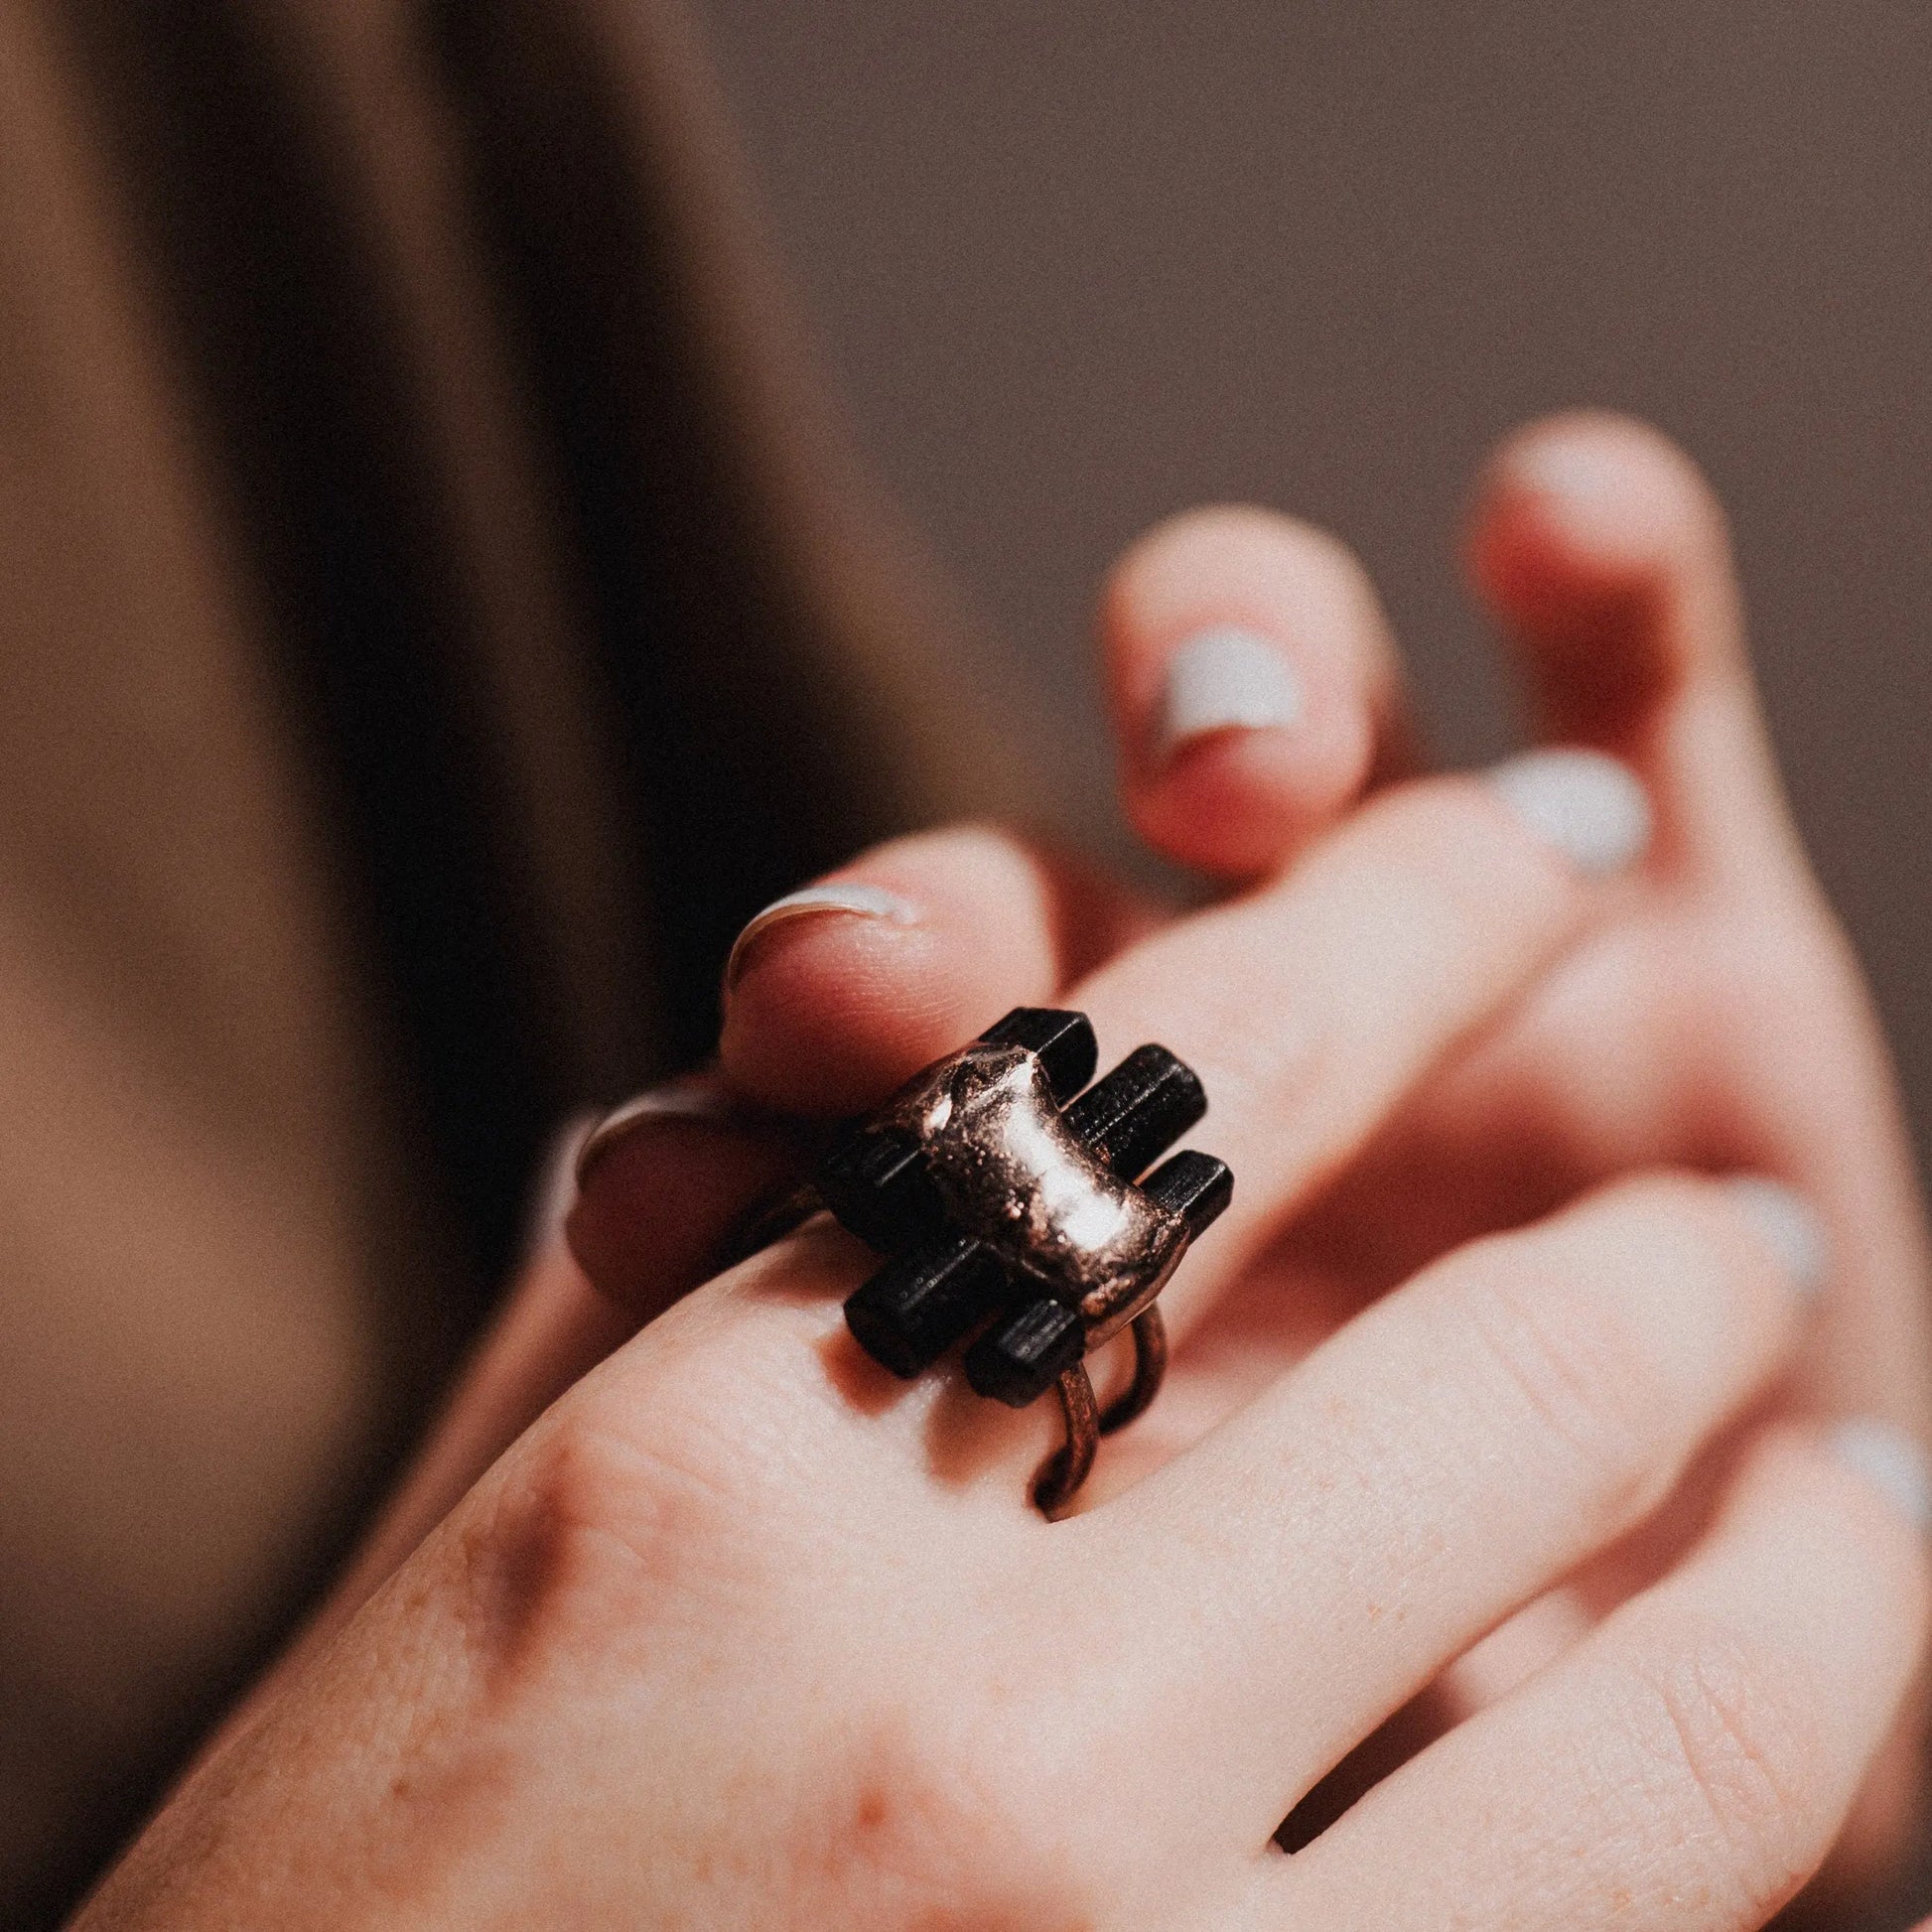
(1007, 1196)
(1150, 1367)
(1087, 1422)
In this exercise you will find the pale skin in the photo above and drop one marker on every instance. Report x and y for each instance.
(741, 1631)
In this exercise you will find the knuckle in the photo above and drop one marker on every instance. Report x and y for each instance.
(954, 1820)
(1679, 1228)
(600, 1525)
(674, 1499)
(585, 1534)
(1726, 1741)
(1017, 1771)
(1578, 1372)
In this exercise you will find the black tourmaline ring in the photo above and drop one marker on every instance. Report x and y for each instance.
(1009, 1208)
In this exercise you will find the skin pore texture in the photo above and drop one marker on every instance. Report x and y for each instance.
(1552, 1386)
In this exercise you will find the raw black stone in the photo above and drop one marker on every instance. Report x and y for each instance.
(1018, 1361)
(940, 1283)
(1197, 1186)
(918, 1304)
(1133, 1116)
(876, 1181)
(1064, 1041)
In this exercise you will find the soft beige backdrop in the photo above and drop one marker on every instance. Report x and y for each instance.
(1077, 264)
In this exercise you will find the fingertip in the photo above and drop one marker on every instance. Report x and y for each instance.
(850, 897)
(1607, 489)
(662, 1181)
(1787, 1227)
(914, 948)
(1238, 801)
(1584, 805)
(1603, 551)
(833, 1013)
(1250, 668)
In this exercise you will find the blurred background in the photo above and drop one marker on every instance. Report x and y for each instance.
(1076, 266)
(439, 608)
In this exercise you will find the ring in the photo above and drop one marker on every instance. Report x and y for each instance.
(1006, 1195)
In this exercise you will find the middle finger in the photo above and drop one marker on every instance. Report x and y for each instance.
(1311, 1007)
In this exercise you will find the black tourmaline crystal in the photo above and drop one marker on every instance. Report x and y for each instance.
(939, 1283)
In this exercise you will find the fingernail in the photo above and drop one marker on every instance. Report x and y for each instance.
(1585, 804)
(556, 1187)
(1225, 679)
(1582, 472)
(1788, 1225)
(675, 1100)
(1891, 1461)
(848, 896)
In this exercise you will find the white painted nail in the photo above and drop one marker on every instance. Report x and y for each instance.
(685, 1099)
(1788, 1225)
(555, 1192)
(848, 896)
(1226, 679)
(1585, 804)
(1891, 1461)
(1583, 471)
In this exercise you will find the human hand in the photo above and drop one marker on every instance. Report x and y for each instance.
(745, 1632)
(1712, 1017)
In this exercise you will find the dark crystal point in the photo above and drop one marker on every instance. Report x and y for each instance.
(1133, 1116)
(918, 1304)
(1020, 1359)
(876, 1181)
(1064, 1041)
(1197, 1186)
(941, 1284)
